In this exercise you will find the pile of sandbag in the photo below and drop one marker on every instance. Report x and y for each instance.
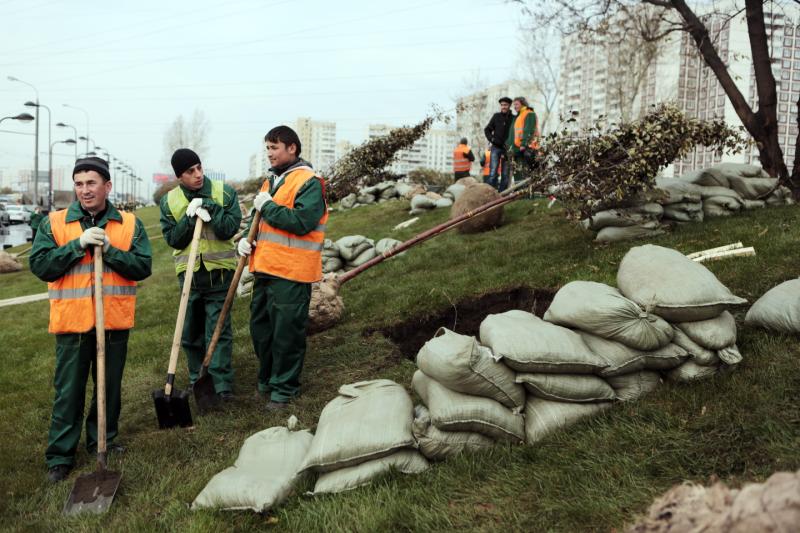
(721, 190)
(425, 201)
(352, 251)
(381, 192)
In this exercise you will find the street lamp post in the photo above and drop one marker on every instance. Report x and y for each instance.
(75, 136)
(22, 117)
(50, 172)
(37, 105)
(87, 139)
(36, 140)
(87, 123)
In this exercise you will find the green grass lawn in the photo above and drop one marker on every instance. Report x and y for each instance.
(597, 475)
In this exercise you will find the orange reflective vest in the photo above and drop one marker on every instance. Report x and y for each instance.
(72, 295)
(460, 161)
(519, 128)
(287, 255)
(487, 163)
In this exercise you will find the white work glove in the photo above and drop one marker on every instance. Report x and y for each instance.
(194, 205)
(244, 248)
(92, 236)
(260, 199)
(203, 214)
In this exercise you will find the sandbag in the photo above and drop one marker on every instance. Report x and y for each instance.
(671, 285)
(697, 353)
(778, 309)
(262, 476)
(386, 244)
(362, 257)
(415, 189)
(461, 364)
(365, 199)
(752, 188)
(437, 445)
(690, 371)
(455, 411)
(709, 177)
(348, 201)
(455, 190)
(714, 333)
(716, 191)
(619, 218)
(567, 387)
(330, 249)
(529, 344)
(740, 169)
(753, 204)
(630, 387)
(332, 264)
(475, 196)
(421, 201)
(643, 231)
(444, 202)
(757, 507)
(721, 206)
(367, 420)
(730, 355)
(621, 359)
(351, 477)
(684, 212)
(353, 245)
(604, 311)
(677, 191)
(543, 417)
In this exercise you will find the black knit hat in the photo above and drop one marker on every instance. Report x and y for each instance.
(505, 99)
(92, 163)
(183, 159)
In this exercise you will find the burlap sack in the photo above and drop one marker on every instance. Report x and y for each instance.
(672, 286)
(567, 387)
(630, 387)
(697, 353)
(690, 371)
(752, 188)
(461, 364)
(455, 411)
(677, 191)
(527, 343)
(353, 245)
(476, 196)
(543, 417)
(367, 420)
(604, 311)
(352, 477)
(621, 359)
(716, 191)
(778, 309)
(437, 445)
(645, 230)
(714, 333)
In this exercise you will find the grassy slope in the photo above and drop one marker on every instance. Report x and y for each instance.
(597, 475)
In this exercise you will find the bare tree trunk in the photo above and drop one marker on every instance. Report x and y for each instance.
(768, 148)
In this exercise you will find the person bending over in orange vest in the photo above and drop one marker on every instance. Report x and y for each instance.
(462, 159)
(62, 256)
(285, 259)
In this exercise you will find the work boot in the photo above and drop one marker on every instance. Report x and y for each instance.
(273, 406)
(226, 396)
(58, 473)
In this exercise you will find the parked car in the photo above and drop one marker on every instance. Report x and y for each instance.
(18, 214)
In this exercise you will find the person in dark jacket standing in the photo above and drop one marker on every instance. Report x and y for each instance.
(497, 133)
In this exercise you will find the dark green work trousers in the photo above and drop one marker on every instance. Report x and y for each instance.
(76, 356)
(206, 299)
(278, 320)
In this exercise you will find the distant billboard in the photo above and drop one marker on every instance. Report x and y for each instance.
(161, 178)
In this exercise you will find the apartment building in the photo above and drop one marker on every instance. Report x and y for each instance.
(318, 141)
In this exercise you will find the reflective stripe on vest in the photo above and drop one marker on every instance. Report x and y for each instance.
(72, 295)
(460, 161)
(213, 252)
(284, 254)
(519, 129)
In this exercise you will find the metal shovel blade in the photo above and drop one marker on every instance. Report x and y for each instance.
(172, 410)
(92, 493)
(204, 394)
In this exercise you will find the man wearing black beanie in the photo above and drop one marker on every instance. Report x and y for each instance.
(62, 256)
(217, 205)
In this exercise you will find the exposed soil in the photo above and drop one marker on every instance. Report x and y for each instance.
(464, 317)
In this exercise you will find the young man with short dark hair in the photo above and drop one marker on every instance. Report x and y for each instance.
(286, 259)
(496, 132)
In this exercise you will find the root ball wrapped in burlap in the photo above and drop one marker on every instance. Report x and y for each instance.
(8, 263)
(326, 307)
(474, 197)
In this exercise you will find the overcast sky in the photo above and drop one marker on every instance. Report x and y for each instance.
(248, 65)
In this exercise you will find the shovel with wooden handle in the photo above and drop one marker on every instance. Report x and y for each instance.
(204, 394)
(172, 405)
(94, 492)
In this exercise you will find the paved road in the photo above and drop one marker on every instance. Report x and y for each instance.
(15, 235)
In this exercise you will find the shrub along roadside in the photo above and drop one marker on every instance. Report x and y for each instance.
(598, 475)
